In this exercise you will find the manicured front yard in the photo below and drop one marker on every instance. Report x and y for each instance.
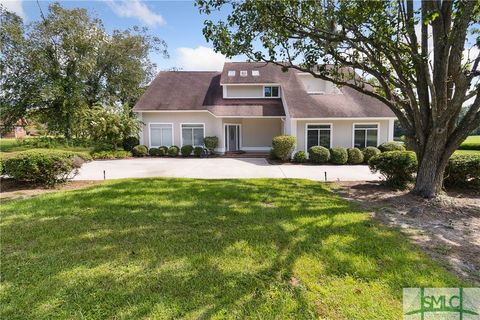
(173, 248)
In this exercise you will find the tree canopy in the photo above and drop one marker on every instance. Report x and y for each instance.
(64, 64)
(421, 59)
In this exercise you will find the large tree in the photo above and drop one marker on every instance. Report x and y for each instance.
(62, 65)
(410, 55)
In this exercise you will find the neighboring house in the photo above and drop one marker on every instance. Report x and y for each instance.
(18, 131)
(248, 104)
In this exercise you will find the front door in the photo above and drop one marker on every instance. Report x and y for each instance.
(232, 137)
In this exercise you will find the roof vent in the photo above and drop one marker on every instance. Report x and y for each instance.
(255, 73)
(231, 73)
(243, 73)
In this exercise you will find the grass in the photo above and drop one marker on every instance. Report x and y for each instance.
(471, 143)
(473, 152)
(12, 146)
(180, 248)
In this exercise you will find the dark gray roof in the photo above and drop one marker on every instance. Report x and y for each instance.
(180, 90)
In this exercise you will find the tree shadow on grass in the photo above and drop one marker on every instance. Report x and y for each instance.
(174, 248)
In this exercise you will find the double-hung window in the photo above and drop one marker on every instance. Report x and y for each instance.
(271, 92)
(365, 135)
(161, 134)
(193, 134)
(319, 135)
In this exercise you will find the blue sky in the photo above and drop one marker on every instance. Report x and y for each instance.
(179, 23)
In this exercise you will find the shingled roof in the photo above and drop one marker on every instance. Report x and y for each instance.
(190, 90)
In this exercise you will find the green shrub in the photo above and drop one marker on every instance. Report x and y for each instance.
(154, 152)
(355, 156)
(108, 155)
(272, 155)
(187, 150)
(140, 151)
(211, 143)
(299, 156)
(283, 146)
(338, 155)
(463, 170)
(2, 167)
(369, 152)
(198, 151)
(163, 151)
(43, 166)
(318, 154)
(398, 167)
(173, 151)
(391, 146)
(130, 142)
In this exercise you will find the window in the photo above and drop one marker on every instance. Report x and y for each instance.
(161, 134)
(193, 134)
(255, 73)
(271, 92)
(243, 73)
(365, 135)
(319, 135)
(231, 73)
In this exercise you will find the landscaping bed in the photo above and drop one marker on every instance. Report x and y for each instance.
(183, 248)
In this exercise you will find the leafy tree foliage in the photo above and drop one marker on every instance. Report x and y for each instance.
(57, 68)
(410, 55)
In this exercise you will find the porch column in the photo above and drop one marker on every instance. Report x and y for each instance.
(390, 129)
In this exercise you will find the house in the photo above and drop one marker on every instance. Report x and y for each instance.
(247, 104)
(17, 131)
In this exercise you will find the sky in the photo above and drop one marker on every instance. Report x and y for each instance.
(179, 23)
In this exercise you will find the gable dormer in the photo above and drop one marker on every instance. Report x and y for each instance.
(316, 86)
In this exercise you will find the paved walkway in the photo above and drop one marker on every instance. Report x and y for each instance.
(218, 168)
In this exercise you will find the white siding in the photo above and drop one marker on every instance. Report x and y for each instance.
(243, 91)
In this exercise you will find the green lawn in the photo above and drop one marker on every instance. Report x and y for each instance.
(474, 152)
(9, 147)
(179, 248)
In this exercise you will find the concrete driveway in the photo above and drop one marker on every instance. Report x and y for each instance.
(218, 168)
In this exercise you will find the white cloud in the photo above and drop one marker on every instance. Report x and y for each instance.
(200, 59)
(136, 9)
(14, 6)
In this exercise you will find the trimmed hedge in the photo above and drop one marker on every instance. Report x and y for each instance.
(197, 152)
(186, 150)
(165, 151)
(173, 151)
(398, 167)
(463, 170)
(2, 167)
(355, 156)
(105, 155)
(211, 143)
(140, 151)
(369, 152)
(318, 154)
(338, 155)
(130, 142)
(300, 157)
(283, 146)
(154, 152)
(391, 146)
(43, 166)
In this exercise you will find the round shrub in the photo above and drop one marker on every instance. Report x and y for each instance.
(197, 152)
(140, 151)
(283, 146)
(391, 146)
(173, 151)
(398, 167)
(186, 150)
(318, 154)
(2, 167)
(300, 156)
(355, 156)
(130, 142)
(369, 152)
(43, 166)
(163, 151)
(272, 155)
(211, 143)
(463, 170)
(106, 155)
(154, 152)
(338, 155)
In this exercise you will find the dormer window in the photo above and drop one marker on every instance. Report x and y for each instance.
(243, 73)
(255, 73)
(271, 92)
(231, 73)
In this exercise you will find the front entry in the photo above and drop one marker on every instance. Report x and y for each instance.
(232, 137)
